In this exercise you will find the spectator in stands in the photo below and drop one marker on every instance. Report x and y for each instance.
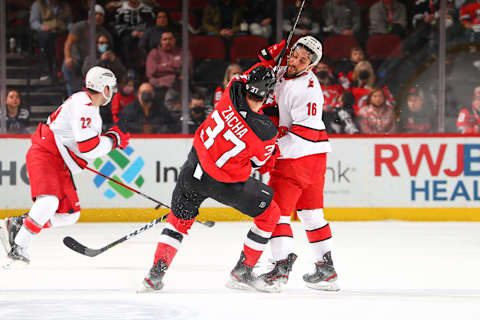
(418, 117)
(131, 21)
(164, 65)
(50, 19)
(17, 117)
(425, 21)
(468, 120)
(198, 111)
(344, 69)
(388, 17)
(151, 37)
(259, 17)
(105, 57)
(377, 117)
(330, 88)
(77, 48)
(363, 84)
(145, 115)
(124, 96)
(342, 17)
(232, 70)
(222, 17)
(307, 24)
(470, 18)
(17, 12)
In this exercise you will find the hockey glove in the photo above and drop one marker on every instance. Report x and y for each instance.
(120, 139)
(272, 53)
(270, 164)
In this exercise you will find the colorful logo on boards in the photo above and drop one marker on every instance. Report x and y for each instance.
(123, 166)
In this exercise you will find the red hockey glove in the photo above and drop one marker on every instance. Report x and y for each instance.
(272, 53)
(270, 164)
(120, 139)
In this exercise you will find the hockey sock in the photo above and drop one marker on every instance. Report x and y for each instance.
(318, 231)
(171, 238)
(281, 242)
(43, 208)
(260, 233)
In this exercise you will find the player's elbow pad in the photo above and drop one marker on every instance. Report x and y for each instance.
(97, 147)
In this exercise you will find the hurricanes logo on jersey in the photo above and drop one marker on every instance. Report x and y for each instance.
(123, 166)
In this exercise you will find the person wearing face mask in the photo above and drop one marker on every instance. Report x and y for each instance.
(197, 112)
(122, 97)
(60, 147)
(145, 114)
(363, 82)
(106, 58)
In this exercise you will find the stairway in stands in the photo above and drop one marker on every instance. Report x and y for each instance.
(41, 96)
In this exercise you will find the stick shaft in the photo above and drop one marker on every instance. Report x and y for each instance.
(290, 35)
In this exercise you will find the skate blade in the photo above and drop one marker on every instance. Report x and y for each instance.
(4, 236)
(14, 264)
(145, 288)
(324, 286)
(231, 284)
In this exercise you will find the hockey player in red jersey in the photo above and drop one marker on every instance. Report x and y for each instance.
(234, 138)
(468, 120)
(298, 176)
(59, 149)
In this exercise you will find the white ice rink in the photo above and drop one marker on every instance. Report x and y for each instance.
(387, 270)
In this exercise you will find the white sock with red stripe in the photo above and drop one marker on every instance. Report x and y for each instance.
(281, 242)
(42, 210)
(318, 231)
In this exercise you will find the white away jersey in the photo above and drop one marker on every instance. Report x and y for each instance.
(77, 126)
(300, 103)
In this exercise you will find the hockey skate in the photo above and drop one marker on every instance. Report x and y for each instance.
(242, 278)
(9, 229)
(17, 255)
(324, 277)
(281, 270)
(153, 281)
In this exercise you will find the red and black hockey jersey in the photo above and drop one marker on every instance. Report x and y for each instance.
(233, 136)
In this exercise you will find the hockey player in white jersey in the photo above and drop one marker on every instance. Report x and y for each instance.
(60, 148)
(299, 175)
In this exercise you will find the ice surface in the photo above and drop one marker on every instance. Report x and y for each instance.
(387, 270)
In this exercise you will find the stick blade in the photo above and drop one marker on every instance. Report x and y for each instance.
(78, 247)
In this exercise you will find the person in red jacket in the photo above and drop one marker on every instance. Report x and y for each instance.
(122, 98)
(233, 139)
(468, 120)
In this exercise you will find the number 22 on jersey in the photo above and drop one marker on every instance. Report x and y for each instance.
(228, 135)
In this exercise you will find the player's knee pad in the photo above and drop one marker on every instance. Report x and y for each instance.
(62, 219)
(312, 218)
(268, 220)
(180, 225)
(185, 203)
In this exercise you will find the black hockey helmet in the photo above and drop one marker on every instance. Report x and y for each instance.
(260, 81)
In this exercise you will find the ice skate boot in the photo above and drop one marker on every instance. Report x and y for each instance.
(18, 253)
(324, 277)
(281, 270)
(9, 229)
(153, 281)
(243, 278)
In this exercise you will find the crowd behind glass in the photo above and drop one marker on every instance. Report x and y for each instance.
(365, 92)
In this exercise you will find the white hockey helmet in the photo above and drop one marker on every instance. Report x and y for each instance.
(312, 45)
(98, 78)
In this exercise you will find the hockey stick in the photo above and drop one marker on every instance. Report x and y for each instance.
(290, 35)
(207, 223)
(80, 248)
